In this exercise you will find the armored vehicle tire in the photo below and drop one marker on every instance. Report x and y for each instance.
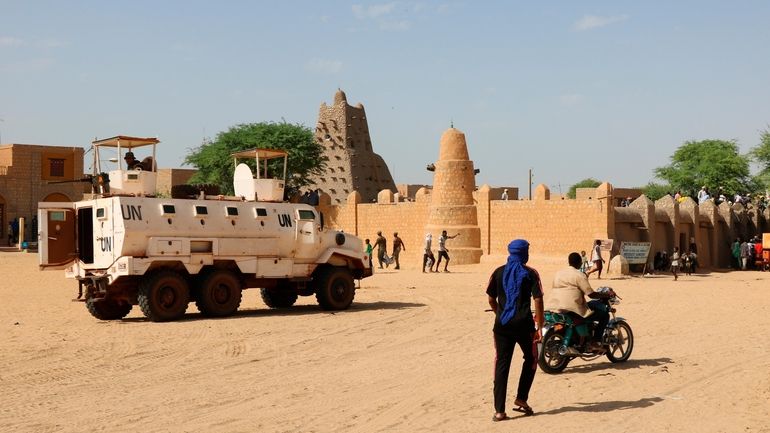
(107, 309)
(334, 288)
(164, 296)
(282, 296)
(219, 294)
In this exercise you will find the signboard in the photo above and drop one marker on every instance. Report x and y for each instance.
(635, 253)
(607, 244)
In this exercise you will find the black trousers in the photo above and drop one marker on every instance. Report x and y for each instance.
(440, 255)
(504, 344)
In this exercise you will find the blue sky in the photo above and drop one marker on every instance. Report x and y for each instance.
(603, 89)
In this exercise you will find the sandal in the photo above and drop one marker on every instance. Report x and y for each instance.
(524, 408)
(496, 419)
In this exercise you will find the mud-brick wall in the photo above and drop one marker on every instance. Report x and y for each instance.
(406, 218)
(551, 227)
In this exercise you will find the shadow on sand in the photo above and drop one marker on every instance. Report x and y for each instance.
(605, 406)
(299, 310)
(628, 365)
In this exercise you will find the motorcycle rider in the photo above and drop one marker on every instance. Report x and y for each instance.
(570, 286)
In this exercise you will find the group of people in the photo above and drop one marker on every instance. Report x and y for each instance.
(14, 230)
(747, 253)
(512, 290)
(704, 194)
(428, 258)
(676, 262)
(382, 250)
(595, 264)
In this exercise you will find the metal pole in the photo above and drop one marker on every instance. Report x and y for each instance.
(530, 184)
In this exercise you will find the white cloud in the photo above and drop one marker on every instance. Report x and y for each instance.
(589, 22)
(373, 11)
(10, 41)
(324, 66)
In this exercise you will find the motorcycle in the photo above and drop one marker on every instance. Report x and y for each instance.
(567, 336)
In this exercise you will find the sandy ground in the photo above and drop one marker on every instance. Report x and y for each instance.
(414, 353)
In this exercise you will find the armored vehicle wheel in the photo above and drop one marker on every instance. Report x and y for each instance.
(334, 288)
(107, 309)
(281, 296)
(219, 294)
(164, 296)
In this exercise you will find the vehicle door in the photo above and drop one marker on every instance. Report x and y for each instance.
(306, 234)
(57, 245)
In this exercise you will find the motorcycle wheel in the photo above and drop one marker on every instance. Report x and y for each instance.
(620, 342)
(549, 360)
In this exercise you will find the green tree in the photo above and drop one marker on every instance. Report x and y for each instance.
(215, 165)
(761, 155)
(585, 183)
(654, 191)
(713, 163)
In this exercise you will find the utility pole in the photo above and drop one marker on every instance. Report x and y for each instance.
(530, 183)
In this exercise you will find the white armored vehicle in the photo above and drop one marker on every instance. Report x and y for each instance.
(125, 246)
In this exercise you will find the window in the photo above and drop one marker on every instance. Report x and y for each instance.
(100, 212)
(169, 209)
(56, 167)
(261, 212)
(201, 210)
(306, 214)
(232, 211)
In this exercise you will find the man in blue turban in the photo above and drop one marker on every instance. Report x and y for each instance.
(510, 290)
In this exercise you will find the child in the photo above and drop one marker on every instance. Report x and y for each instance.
(369, 249)
(584, 267)
(675, 258)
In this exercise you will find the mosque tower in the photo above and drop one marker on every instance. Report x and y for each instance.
(452, 207)
(352, 165)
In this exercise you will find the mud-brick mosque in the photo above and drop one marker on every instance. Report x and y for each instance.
(360, 197)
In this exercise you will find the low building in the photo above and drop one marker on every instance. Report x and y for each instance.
(33, 173)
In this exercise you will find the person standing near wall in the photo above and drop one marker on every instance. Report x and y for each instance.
(15, 230)
(443, 251)
(504, 196)
(398, 245)
(382, 247)
(510, 291)
(675, 263)
(427, 256)
(369, 250)
(744, 253)
(736, 250)
(596, 259)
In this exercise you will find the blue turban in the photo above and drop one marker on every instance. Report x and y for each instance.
(513, 277)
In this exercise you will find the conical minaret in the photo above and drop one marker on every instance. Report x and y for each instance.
(452, 207)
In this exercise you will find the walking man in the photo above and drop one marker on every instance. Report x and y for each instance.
(398, 245)
(427, 256)
(442, 251)
(510, 291)
(382, 247)
(596, 258)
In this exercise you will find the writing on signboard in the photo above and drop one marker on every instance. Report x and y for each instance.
(635, 253)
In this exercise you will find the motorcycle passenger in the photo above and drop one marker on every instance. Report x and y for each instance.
(570, 286)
